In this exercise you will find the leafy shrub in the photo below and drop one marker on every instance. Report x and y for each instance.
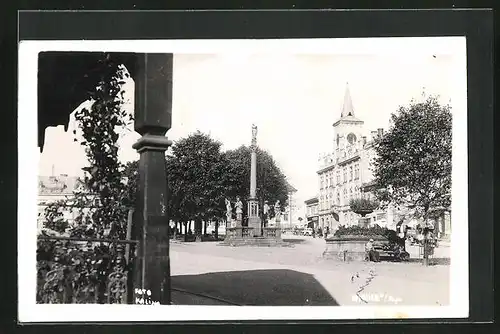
(363, 204)
(372, 231)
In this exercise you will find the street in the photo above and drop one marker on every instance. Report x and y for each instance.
(207, 273)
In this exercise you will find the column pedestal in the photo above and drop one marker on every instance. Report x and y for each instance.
(254, 220)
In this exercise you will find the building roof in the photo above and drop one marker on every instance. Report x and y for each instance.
(312, 200)
(58, 185)
(369, 185)
(347, 113)
(347, 107)
(290, 188)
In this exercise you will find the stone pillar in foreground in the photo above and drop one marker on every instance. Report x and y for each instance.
(253, 204)
(153, 115)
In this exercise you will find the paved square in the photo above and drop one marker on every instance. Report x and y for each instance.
(214, 274)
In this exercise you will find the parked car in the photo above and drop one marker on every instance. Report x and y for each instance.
(308, 232)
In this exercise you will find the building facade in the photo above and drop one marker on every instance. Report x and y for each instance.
(55, 188)
(343, 172)
(312, 212)
(346, 173)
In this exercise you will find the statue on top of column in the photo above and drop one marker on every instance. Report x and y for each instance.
(254, 135)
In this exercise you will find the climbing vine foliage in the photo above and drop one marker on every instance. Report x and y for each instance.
(104, 176)
(100, 206)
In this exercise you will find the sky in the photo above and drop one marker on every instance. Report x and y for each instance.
(292, 98)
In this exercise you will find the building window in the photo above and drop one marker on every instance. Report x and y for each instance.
(350, 194)
(356, 172)
(350, 173)
(345, 175)
(338, 177)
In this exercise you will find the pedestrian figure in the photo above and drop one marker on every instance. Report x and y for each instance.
(371, 253)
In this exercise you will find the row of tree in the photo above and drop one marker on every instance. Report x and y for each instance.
(201, 175)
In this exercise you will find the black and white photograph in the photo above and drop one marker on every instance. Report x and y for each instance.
(243, 179)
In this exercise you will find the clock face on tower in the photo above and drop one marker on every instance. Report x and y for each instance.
(351, 138)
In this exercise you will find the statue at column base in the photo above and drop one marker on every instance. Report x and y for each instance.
(239, 212)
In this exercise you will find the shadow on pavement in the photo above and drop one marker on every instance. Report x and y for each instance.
(251, 287)
(294, 241)
(437, 261)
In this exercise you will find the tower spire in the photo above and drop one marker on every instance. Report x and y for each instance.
(347, 108)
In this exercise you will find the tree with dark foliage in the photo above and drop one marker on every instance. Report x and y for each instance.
(413, 160)
(412, 166)
(197, 176)
(271, 182)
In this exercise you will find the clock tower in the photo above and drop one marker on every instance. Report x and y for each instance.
(348, 130)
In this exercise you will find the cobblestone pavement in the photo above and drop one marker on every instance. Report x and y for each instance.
(356, 283)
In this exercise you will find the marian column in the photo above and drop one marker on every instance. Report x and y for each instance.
(253, 204)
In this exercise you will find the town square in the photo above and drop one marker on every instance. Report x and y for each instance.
(245, 180)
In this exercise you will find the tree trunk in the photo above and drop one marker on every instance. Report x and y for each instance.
(217, 230)
(198, 229)
(204, 226)
(185, 231)
(425, 260)
(188, 229)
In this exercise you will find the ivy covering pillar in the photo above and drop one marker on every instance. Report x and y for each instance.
(153, 116)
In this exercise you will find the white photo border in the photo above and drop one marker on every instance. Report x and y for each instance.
(29, 311)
